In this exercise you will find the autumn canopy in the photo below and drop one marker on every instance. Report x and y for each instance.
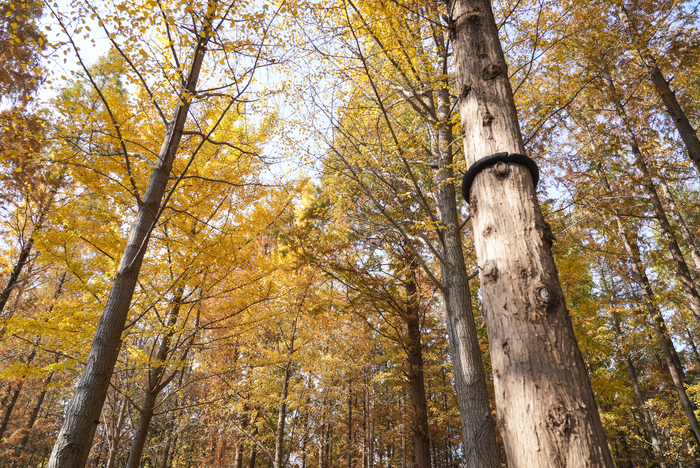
(233, 233)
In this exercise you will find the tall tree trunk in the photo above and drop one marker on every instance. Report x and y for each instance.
(663, 89)
(155, 385)
(238, 457)
(641, 397)
(478, 428)
(682, 270)
(350, 446)
(117, 435)
(282, 417)
(34, 415)
(82, 415)
(657, 320)
(546, 410)
(419, 411)
(13, 399)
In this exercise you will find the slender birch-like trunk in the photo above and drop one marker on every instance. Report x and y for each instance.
(82, 415)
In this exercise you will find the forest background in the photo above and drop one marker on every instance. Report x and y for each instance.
(293, 278)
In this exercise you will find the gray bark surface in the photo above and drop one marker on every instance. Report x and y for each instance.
(662, 87)
(82, 415)
(546, 410)
(478, 426)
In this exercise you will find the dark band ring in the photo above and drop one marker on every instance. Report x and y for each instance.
(488, 161)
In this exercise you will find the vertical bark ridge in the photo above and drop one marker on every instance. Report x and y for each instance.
(546, 410)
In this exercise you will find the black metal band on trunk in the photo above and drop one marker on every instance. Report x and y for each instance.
(488, 161)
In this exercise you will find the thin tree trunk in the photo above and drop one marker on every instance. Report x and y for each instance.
(34, 415)
(546, 410)
(10, 408)
(117, 435)
(641, 397)
(663, 89)
(657, 320)
(682, 270)
(13, 400)
(350, 447)
(478, 426)
(82, 415)
(419, 412)
(281, 418)
(238, 458)
(675, 213)
(155, 385)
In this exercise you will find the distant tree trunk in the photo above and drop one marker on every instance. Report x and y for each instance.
(116, 435)
(546, 410)
(238, 458)
(13, 399)
(663, 89)
(641, 397)
(34, 415)
(350, 447)
(282, 417)
(657, 320)
(688, 239)
(682, 270)
(82, 415)
(419, 411)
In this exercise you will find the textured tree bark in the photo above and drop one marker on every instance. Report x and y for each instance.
(419, 413)
(155, 385)
(478, 427)
(82, 415)
(681, 266)
(546, 410)
(657, 320)
(663, 89)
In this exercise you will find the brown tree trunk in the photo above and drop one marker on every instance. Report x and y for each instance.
(155, 385)
(546, 410)
(116, 435)
(13, 399)
(682, 270)
(641, 397)
(82, 415)
(34, 415)
(478, 426)
(657, 320)
(350, 447)
(663, 89)
(419, 411)
(282, 417)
